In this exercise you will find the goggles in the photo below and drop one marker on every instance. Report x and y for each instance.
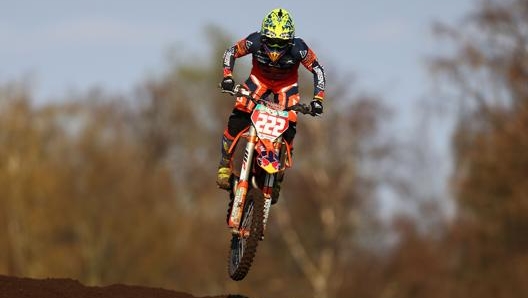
(276, 43)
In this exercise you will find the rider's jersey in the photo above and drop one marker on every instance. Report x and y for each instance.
(281, 73)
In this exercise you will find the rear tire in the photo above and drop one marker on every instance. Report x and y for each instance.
(243, 249)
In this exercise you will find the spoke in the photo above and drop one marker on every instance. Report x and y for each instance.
(246, 221)
(241, 250)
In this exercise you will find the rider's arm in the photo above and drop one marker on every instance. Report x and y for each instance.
(309, 60)
(239, 49)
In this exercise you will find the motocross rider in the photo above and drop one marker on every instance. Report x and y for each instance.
(276, 56)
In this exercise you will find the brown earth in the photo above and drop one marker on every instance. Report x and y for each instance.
(15, 287)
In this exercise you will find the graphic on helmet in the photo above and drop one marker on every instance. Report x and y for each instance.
(278, 24)
(277, 33)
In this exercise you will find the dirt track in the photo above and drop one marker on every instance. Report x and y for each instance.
(14, 287)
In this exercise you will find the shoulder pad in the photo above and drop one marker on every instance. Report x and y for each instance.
(299, 47)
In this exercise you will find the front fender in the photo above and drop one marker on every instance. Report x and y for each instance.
(268, 159)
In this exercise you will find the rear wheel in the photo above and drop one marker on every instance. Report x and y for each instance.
(244, 244)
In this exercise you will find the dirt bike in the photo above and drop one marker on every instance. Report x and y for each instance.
(265, 157)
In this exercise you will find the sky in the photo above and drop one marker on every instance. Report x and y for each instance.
(64, 46)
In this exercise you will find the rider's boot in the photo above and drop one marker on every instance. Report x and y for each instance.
(224, 167)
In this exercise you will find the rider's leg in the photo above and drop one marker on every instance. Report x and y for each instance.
(224, 167)
(288, 136)
(238, 120)
(286, 96)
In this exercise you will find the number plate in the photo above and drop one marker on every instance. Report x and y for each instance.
(269, 123)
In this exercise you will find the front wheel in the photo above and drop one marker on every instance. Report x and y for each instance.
(244, 243)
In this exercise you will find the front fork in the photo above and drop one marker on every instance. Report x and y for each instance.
(242, 186)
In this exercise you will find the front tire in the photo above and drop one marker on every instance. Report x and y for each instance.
(243, 248)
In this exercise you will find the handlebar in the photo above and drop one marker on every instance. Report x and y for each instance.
(239, 90)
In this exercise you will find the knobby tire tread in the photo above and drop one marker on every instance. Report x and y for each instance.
(252, 241)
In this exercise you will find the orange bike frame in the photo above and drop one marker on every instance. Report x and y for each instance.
(243, 182)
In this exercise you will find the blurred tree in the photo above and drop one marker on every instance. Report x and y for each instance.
(490, 72)
(16, 154)
(180, 120)
(107, 189)
(72, 184)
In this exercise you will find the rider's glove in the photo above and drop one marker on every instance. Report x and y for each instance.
(227, 84)
(317, 107)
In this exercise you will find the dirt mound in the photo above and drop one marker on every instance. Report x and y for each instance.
(14, 287)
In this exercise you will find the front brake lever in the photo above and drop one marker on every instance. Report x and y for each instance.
(233, 93)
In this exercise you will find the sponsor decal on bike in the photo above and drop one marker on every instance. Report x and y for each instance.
(268, 160)
(245, 161)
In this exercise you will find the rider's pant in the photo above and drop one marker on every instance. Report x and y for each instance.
(240, 118)
(284, 95)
